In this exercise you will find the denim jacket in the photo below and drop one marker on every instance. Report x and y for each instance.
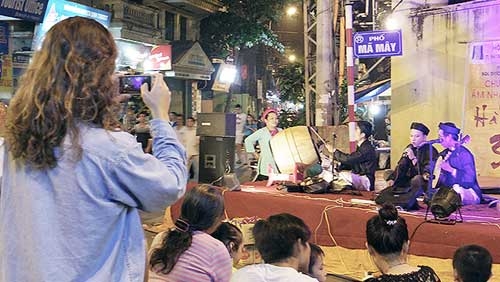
(79, 221)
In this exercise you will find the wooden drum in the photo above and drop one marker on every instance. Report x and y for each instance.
(292, 146)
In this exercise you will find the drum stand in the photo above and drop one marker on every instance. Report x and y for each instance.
(296, 177)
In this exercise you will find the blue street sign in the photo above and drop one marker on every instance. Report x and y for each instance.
(382, 43)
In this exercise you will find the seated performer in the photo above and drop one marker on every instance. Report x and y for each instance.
(458, 169)
(363, 162)
(414, 166)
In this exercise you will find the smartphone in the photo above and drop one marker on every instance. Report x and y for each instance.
(132, 83)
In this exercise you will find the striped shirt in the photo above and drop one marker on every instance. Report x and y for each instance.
(207, 259)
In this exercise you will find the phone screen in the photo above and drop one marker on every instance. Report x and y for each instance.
(132, 83)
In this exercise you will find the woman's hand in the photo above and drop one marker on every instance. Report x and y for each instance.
(158, 99)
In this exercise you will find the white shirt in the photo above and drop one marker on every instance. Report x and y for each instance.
(241, 120)
(269, 273)
(191, 142)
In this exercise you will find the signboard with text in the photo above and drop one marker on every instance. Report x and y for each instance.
(61, 9)
(482, 107)
(374, 44)
(160, 58)
(30, 10)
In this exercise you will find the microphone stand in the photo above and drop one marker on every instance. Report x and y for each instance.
(432, 164)
(334, 163)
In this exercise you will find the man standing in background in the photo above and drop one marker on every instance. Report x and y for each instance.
(192, 145)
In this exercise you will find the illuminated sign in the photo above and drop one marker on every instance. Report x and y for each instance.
(61, 9)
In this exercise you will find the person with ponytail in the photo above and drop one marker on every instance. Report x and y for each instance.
(188, 252)
(388, 244)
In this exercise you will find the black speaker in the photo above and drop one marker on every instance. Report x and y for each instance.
(216, 158)
(445, 202)
(216, 124)
(404, 197)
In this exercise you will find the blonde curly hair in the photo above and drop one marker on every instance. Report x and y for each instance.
(69, 81)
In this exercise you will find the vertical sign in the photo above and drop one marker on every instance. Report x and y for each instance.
(6, 70)
(4, 37)
(482, 106)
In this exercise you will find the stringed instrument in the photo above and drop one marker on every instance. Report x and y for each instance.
(437, 167)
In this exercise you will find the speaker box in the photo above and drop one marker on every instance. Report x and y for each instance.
(216, 124)
(216, 158)
(404, 197)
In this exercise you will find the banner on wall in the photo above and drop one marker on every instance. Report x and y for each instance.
(482, 106)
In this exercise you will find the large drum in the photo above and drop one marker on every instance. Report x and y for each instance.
(292, 146)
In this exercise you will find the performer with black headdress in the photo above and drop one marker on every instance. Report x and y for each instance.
(416, 162)
(410, 179)
(458, 169)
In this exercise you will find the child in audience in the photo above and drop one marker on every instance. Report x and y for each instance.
(472, 263)
(231, 236)
(187, 252)
(316, 265)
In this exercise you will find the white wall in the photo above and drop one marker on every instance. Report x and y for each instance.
(430, 79)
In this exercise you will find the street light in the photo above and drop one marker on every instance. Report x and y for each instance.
(391, 23)
(292, 10)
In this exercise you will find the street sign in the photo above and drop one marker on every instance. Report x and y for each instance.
(374, 44)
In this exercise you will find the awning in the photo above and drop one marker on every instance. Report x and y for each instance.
(368, 92)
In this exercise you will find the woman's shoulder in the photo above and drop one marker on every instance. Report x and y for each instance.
(206, 240)
(427, 271)
(424, 273)
(107, 143)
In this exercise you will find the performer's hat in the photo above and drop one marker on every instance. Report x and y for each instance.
(449, 128)
(420, 127)
(267, 112)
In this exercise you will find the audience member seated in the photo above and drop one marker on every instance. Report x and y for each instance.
(188, 252)
(387, 243)
(363, 162)
(282, 241)
(230, 235)
(472, 263)
(316, 266)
